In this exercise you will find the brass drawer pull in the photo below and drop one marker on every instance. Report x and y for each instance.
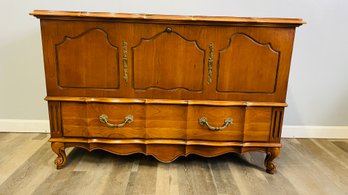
(104, 119)
(204, 121)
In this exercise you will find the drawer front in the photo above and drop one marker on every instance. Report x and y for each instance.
(163, 121)
(74, 119)
(83, 120)
(215, 117)
(166, 121)
(258, 124)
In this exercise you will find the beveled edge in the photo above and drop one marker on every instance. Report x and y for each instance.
(165, 101)
(228, 19)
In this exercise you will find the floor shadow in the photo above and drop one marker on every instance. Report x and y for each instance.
(256, 161)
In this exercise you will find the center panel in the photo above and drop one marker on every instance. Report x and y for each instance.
(168, 61)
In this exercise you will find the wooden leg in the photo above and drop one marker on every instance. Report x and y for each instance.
(271, 154)
(59, 149)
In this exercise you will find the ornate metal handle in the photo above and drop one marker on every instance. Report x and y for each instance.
(104, 119)
(204, 121)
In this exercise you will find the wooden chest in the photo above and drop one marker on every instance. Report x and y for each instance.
(166, 86)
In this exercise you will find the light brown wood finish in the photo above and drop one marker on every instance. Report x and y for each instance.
(238, 71)
(154, 86)
(166, 86)
(99, 51)
(43, 13)
(306, 166)
(216, 116)
(165, 101)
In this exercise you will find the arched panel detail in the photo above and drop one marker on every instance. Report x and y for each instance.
(88, 60)
(168, 61)
(247, 66)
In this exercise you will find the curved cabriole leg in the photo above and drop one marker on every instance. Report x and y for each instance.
(271, 154)
(59, 149)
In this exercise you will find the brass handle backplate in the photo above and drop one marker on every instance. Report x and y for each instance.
(204, 121)
(105, 119)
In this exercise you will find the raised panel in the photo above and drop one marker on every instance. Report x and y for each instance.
(88, 60)
(257, 123)
(247, 66)
(168, 61)
(216, 117)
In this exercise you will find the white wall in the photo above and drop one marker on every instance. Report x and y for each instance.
(318, 87)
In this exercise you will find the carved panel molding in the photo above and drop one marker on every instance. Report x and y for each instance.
(245, 62)
(168, 61)
(92, 52)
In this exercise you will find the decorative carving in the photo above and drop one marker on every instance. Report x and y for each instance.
(244, 62)
(210, 62)
(157, 64)
(277, 121)
(125, 61)
(59, 149)
(92, 52)
(271, 154)
(55, 118)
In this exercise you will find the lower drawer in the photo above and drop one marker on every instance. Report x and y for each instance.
(215, 123)
(163, 121)
(83, 120)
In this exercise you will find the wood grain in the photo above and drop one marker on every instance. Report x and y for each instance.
(216, 117)
(21, 147)
(191, 170)
(257, 124)
(184, 79)
(163, 121)
(116, 114)
(149, 64)
(42, 13)
(164, 101)
(239, 68)
(145, 174)
(92, 52)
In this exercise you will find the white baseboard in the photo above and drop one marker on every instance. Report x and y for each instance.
(14, 125)
(289, 131)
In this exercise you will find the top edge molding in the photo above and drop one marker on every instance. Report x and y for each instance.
(186, 18)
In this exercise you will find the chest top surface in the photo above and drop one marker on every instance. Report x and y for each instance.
(158, 17)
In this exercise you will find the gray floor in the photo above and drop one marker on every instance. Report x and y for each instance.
(305, 166)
